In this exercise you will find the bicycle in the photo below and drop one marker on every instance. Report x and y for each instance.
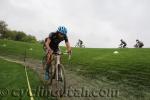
(136, 46)
(122, 46)
(56, 71)
(79, 45)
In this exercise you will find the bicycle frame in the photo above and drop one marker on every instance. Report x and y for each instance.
(57, 59)
(56, 70)
(57, 64)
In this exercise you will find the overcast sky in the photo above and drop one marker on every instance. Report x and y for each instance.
(99, 23)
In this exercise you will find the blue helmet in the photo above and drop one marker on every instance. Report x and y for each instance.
(62, 29)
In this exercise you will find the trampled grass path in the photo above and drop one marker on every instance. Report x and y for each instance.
(74, 82)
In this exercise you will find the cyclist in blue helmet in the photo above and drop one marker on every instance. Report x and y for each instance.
(52, 44)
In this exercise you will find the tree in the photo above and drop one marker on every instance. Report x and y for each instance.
(20, 36)
(14, 35)
(3, 28)
(41, 41)
(29, 38)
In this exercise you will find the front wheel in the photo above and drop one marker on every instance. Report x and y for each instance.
(83, 46)
(76, 45)
(61, 82)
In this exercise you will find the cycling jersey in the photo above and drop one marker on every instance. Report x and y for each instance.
(123, 42)
(56, 38)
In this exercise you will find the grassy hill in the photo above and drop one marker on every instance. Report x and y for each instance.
(10, 48)
(129, 70)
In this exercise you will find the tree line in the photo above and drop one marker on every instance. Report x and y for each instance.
(6, 33)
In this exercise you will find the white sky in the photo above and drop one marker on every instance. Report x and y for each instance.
(99, 23)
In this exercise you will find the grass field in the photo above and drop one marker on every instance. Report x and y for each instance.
(128, 71)
(13, 80)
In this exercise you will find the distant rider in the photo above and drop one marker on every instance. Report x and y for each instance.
(80, 43)
(123, 44)
(139, 44)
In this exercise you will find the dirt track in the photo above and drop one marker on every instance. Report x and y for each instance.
(78, 87)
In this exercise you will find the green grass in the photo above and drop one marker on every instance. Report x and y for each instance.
(18, 49)
(129, 70)
(13, 78)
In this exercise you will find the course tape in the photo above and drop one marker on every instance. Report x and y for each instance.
(29, 86)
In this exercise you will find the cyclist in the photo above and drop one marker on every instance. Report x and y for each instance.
(52, 45)
(80, 43)
(139, 44)
(123, 44)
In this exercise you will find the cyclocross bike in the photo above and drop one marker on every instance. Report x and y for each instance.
(79, 45)
(57, 80)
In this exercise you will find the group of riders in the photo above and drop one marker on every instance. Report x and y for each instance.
(123, 44)
(51, 45)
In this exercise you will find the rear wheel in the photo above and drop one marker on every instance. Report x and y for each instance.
(76, 45)
(83, 46)
(44, 59)
(52, 71)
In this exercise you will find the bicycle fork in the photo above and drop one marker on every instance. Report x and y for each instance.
(58, 70)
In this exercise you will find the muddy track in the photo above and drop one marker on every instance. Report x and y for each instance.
(78, 87)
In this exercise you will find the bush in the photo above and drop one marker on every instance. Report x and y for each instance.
(29, 38)
(14, 35)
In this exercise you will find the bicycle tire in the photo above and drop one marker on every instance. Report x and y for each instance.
(44, 62)
(61, 84)
(83, 46)
(52, 73)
